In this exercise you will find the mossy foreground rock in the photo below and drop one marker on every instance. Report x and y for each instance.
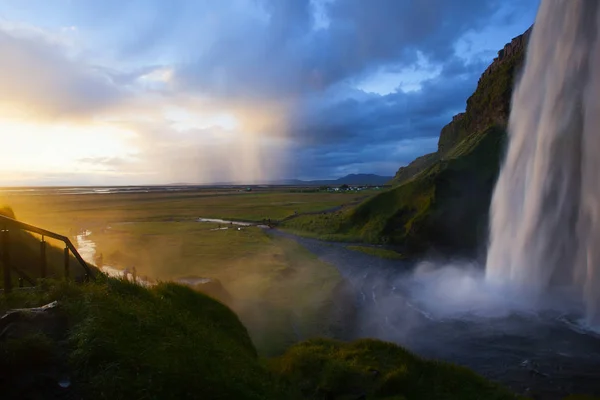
(372, 369)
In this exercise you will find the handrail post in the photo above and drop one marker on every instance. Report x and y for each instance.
(6, 260)
(66, 263)
(43, 258)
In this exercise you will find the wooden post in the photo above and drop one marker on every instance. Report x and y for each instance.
(43, 258)
(6, 260)
(66, 262)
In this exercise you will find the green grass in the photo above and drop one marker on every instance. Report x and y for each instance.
(64, 213)
(167, 342)
(443, 207)
(281, 291)
(324, 369)
(170, 342)
(327, 226)
(377, 252)
(266, 276)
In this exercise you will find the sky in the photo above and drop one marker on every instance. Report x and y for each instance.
(118, 92)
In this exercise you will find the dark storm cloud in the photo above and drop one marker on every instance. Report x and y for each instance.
(381, 133)
(284, 56)
(257, 53)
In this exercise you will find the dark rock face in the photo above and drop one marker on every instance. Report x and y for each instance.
(490, 103)
(488, 106)
(441, 200)
(513, 49)
(418, 165)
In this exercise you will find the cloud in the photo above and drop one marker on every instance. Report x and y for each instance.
(285, 74)
(37, 78)
(284, 56)
(362, 132)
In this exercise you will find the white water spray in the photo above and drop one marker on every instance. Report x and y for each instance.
(545, 221)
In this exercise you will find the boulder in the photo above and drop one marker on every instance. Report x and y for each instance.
(47, 320)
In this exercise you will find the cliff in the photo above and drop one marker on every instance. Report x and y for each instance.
(440, 202)
(488, 106)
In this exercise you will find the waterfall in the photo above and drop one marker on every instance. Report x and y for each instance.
(545, 211)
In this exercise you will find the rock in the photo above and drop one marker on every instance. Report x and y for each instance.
(33, 354)
(47, 320)
(209, 286)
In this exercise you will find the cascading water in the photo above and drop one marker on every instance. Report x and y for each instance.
(545, 213)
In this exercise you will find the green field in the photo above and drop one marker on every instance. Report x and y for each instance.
(281, 291)
(63, 212)
(377, 252)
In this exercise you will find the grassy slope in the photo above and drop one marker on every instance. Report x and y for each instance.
(281, 291)
(25, 255)
(441, 200)
(442, 208)
(377, 252)
(167, 342)
(170, 342)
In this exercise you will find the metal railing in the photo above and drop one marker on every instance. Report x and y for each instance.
(7, 225)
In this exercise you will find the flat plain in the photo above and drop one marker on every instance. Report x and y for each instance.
(281, 290)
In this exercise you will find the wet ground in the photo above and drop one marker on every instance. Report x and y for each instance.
(538, 354)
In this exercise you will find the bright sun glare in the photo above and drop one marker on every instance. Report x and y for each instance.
(59, 148)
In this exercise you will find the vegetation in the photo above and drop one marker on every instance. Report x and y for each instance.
(73, 212)
(378, 252)
(328, 369)
(282, 292)
(126, 341)
(170, 342)
(25, 255)
(440, 202)
(442, 208)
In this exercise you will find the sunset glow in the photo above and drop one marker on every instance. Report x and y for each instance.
(239, 90)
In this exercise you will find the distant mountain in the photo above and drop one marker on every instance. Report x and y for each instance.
(352, 179)
(441, 200)
(362, 179)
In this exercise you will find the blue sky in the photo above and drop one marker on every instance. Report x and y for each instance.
(154, 91)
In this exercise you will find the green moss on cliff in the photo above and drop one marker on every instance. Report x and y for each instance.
(488, 106)
(444, 207)
(441, 200)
